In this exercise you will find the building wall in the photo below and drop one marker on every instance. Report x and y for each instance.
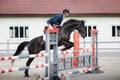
(36, 26)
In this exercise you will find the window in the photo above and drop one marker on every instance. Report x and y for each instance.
(11, 32)
(88, 29)
(118, 31)
(26, 32)
(94, 27)
(21, 32)
(18, 32)
(115, 31)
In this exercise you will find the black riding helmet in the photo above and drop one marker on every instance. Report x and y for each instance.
(66, 11)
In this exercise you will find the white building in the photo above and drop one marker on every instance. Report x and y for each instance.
(21, 21)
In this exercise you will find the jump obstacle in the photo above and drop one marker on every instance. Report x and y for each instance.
(54, 65)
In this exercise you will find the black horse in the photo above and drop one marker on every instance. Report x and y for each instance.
(38, 44)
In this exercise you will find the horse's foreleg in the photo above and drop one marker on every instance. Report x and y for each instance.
(71, 44)
(67, 44)
(28, 64)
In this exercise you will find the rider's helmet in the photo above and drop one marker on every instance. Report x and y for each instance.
(66, 11)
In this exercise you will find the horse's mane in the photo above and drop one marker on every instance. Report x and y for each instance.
(72, 21)
(69, 21)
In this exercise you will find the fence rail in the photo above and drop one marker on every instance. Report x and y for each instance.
(106, 46)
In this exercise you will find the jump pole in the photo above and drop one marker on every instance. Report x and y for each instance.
(51, 71)
(94, 46)
(76, 47)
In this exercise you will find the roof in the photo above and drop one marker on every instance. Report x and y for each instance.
(47, 7)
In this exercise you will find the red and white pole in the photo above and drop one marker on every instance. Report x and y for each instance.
(76, 47)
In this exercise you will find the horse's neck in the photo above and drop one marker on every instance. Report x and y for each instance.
(70, 29)
(67, 31)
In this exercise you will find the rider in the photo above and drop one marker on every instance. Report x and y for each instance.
(57, 19)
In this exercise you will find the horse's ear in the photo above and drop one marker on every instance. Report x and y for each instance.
(84, 21)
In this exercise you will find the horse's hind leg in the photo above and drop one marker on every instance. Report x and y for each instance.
(20, 48)
(28, 64)
(13, 60)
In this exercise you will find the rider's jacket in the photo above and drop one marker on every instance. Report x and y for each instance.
(57, 19)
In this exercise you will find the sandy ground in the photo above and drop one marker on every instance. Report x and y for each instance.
(110, 65)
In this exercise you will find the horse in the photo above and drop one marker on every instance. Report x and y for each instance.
(38, 44)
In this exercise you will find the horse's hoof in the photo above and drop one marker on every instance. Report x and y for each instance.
(12, 62)
(63, 49)
(55, 78)
(97, 70)
(26, 76)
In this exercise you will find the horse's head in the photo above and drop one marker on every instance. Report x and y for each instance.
(81, 28)
(73, 24)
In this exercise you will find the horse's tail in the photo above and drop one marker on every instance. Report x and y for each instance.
(20, 48)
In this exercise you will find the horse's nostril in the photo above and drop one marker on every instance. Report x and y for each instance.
(84, 36)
